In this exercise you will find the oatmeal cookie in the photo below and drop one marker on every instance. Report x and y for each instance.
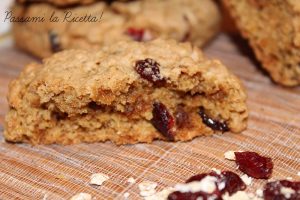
(193, 20)
(58, 2)
(127, 93)
(272, 28)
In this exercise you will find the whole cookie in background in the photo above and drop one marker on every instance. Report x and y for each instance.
(272, 28)
(58, 2)
(127, 93)
(194, 20)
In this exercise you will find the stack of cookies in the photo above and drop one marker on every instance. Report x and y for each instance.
(133, 75)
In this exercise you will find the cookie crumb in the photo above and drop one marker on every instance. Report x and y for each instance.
(147, 188)
(98, 179)
(126, 195)
(162, 195)
(251, 195)
(131, 180)
(147, 36)
(240, 195)
(247, 180)
(229, 155)
(45, 197)
(287, 192)
(289, 178)
(259, 192)
(207, 184)
(82, 196)
(216, 170)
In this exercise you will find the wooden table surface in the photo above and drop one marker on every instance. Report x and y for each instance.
(59, 172)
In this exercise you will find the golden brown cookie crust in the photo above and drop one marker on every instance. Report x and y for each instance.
(195, 21)
(83, 96)
(272, 28)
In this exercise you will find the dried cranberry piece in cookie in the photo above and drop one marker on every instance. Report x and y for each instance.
(254, 165)
(163, 121)
(54, 42)
(213, 124)
(186, 37)
(149, 70)
(140, 35)
(182, 117)
(282, 190)
(136, 34)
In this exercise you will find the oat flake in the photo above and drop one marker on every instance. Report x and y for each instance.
(98, 179)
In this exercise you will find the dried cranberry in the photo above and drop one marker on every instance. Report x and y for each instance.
(163, 121)
(186, 37)
(182, 117)
(275, 190)
(199, 177)
(149, 70)
(233, 183)
(214, 124)
(136, 34)
(216, 194)
(54, 42)
(225, 182)
(254, 165)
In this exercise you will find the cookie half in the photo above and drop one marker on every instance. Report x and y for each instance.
(193, 20)
(272, 28)
(127, 93)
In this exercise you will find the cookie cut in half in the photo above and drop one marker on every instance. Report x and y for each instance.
(99, 23)
(127, 93)
(272, 28)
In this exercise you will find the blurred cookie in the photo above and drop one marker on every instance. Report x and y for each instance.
(193, 20)
(58, 2)
(272, 28)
